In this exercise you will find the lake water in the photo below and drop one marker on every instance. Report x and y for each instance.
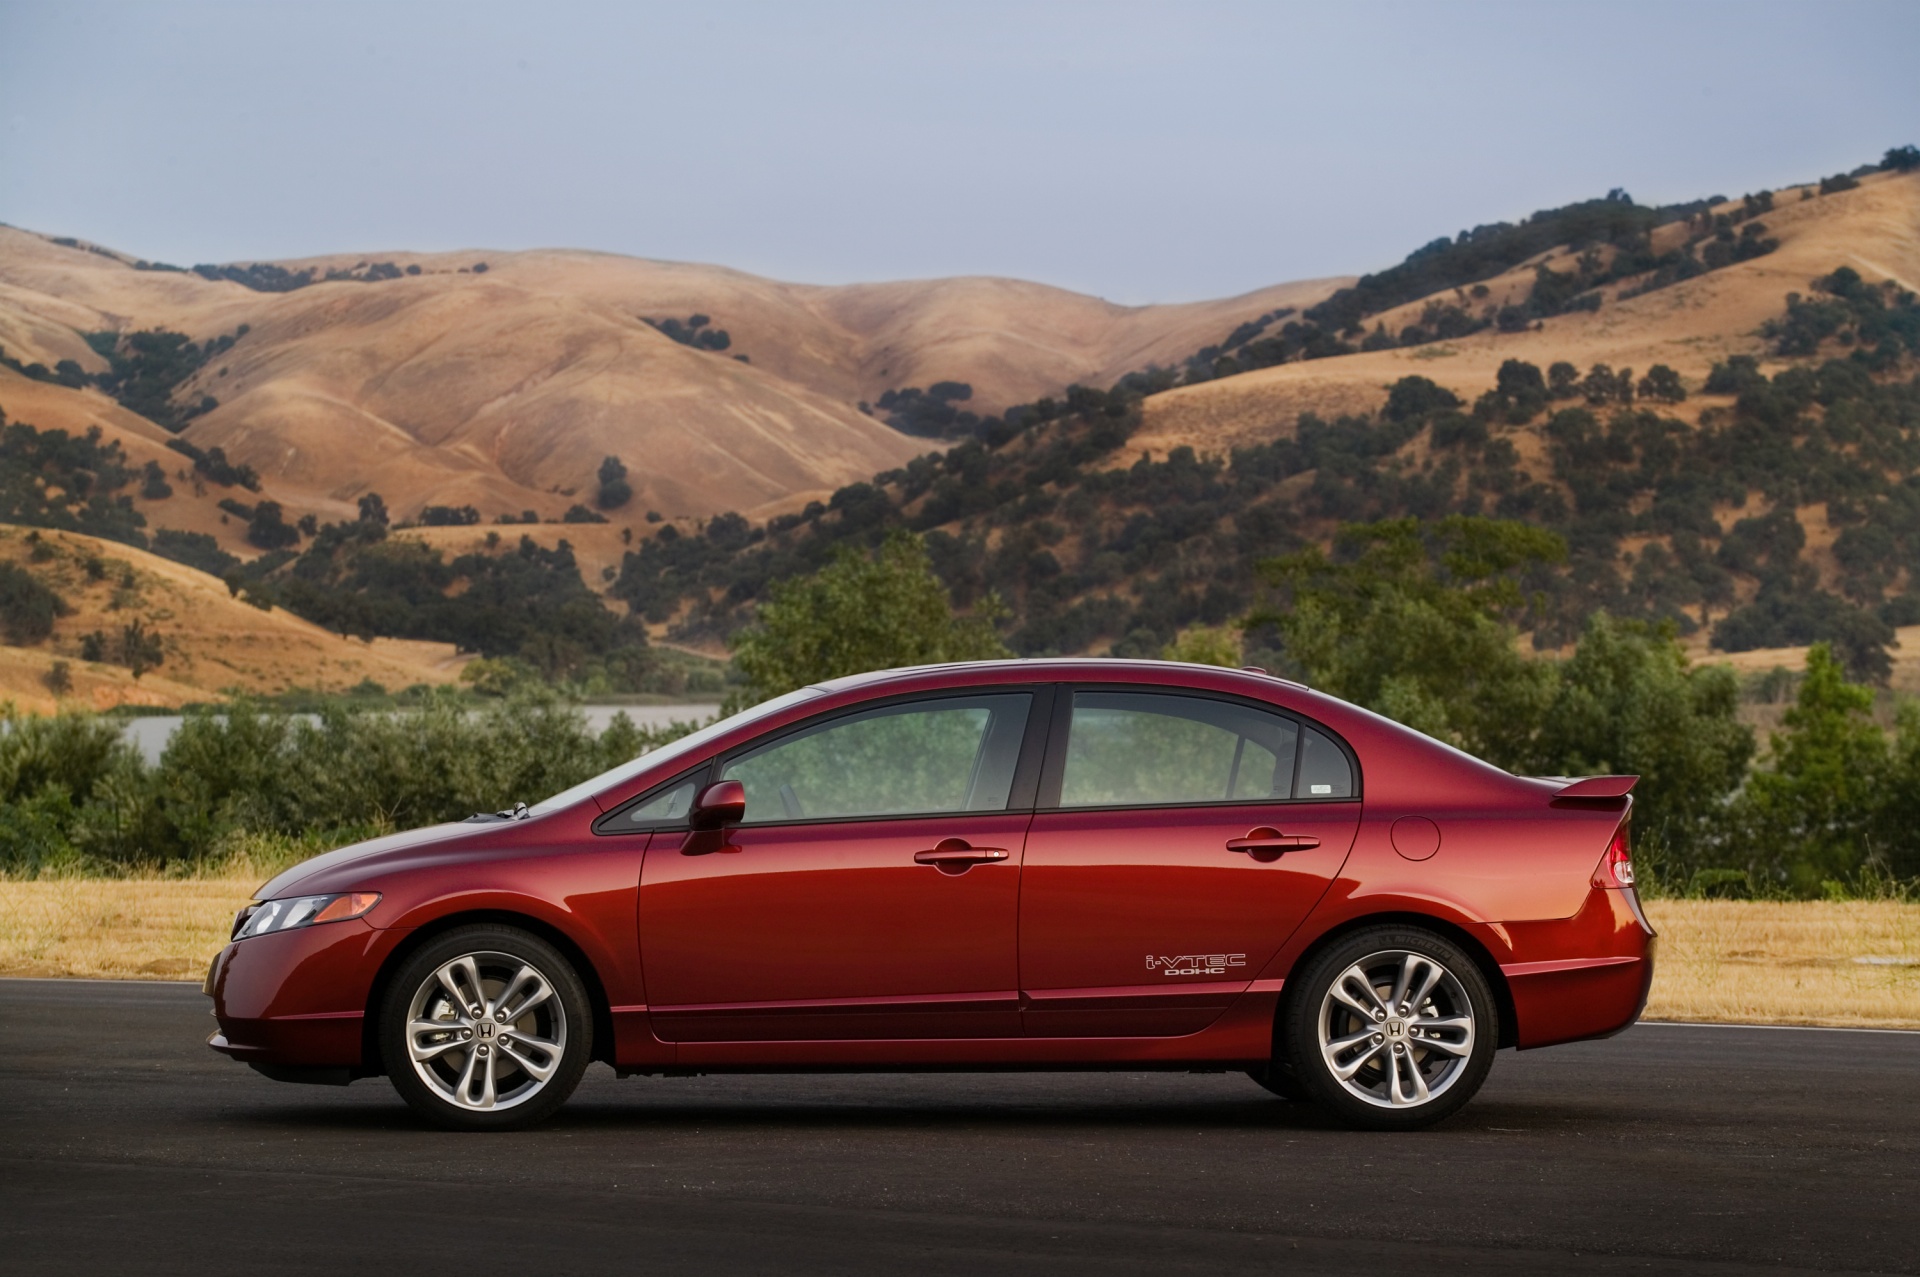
(150, 735)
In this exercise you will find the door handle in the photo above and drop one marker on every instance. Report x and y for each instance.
(955, 855)
(1266, 845)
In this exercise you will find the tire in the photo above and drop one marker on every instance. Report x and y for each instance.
(1421, 1065)
(1279, 1079)
(513, 1063)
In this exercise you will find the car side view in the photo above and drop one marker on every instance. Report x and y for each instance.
(1055, 864)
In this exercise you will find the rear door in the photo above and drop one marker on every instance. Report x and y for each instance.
(1181, 838)
(871, 892)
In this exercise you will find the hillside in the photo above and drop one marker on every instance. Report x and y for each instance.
(505, 388)
(1688, 326)
(1756, 493)
(208, 642)
(1711, 402)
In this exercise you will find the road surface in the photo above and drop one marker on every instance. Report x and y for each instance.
(126, 1146)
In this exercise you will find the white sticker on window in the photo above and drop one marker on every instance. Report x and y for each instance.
(1321, 789)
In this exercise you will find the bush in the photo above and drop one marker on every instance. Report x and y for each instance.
(615, 491)
(242, 782)
(28, 607)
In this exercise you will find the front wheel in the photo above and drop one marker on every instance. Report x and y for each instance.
(486, 1028)
(1391, 1029)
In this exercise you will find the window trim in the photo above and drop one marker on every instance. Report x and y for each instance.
(605, 826)
(1053, 772)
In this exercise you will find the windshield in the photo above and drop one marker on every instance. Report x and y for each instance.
(685, 746)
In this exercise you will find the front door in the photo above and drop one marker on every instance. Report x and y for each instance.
(872, 890)
(1191, 836)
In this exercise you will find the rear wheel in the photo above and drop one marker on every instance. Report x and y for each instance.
(1392, 1028)
(486, 1028)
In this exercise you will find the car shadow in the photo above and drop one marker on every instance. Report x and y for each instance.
(682, 1114)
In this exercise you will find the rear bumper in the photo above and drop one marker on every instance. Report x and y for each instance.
(1586, 977)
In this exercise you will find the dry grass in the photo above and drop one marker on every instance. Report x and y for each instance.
(1719, 960)
(1757, 963)
(113, 929)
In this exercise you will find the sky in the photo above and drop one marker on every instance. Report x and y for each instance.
(1143, 152)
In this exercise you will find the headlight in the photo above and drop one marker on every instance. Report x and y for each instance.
(301, 911)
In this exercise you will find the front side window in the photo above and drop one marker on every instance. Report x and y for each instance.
(954, 754)
(1127, 749)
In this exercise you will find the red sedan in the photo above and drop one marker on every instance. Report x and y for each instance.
(1017, 864)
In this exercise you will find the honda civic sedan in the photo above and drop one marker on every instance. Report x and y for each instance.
(1074, 864)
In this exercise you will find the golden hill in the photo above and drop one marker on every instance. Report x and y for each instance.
(212, 643)
(1687, 326)
(504, 389)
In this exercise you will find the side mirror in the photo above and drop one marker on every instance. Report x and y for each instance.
(719, 805)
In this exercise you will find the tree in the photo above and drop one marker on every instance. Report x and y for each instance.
(1809, 812)
(615, 491)
(859, 613)
(1205, 645)
(1901, 159)
(1629, 702)
(1417, 624)
(1563, 381)
(58, 678)
(140, 648)
(1663, 384)
(373, 509)
(28, 607)
(269, 529)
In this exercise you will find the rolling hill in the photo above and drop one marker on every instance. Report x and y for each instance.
(210, 643)
(1123, 469)
(504, 388)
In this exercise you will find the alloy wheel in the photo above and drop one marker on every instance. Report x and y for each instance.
(1396, 1029)
(486, 1031)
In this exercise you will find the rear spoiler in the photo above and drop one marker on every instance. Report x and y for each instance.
(1602, 788)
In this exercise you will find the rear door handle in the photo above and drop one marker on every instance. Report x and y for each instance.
(954, 855)
(1266, 844)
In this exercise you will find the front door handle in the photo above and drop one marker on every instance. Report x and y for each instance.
(1266, 844)
(956, 855)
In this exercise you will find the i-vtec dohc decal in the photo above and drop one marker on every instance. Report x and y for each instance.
(1196, 963)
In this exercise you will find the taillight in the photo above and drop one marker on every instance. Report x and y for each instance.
(1616, 867)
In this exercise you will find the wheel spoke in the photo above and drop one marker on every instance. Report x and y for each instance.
(1347, 1043)
(420, 1030)
(1405, 978)
(527, 990)
(1368, 1009)
(1446, 1047)
(1418, 998)
(463, 1089)
(538, 1057)
(475, 994)
(1402, 1066)
(1358, 1062)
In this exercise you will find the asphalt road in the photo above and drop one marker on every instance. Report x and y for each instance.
(127, 1147)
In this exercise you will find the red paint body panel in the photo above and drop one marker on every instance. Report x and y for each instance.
(826, 946)
(1112, 900)
(812, 931)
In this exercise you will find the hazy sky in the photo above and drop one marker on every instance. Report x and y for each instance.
(1144, 152)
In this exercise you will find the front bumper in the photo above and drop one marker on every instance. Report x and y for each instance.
(297, 998)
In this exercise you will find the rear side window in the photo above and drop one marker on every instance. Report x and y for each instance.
(953, 754)
(1128, 749)
(1325, 771)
